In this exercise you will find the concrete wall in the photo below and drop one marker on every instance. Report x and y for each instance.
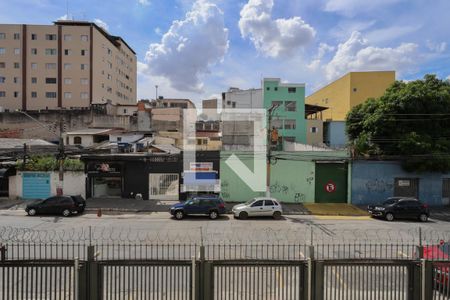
(236, 98)
(87, 140)
(74, 184)
(373, 182)
(314, 138)
(125, 137)
(291, 181)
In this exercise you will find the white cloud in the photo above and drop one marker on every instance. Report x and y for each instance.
(101, 24)
(190, 47)
(357, 55)
(274, 38)
(324, 48)
(436, 47)
(144, 2)
(64, 18)
(351, 7)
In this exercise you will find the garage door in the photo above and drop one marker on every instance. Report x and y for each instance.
(331, 183)
(35, 185)
(164, 186)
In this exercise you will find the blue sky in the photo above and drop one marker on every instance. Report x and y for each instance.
(197, 49)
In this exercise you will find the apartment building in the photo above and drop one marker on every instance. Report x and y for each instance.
(70, 64)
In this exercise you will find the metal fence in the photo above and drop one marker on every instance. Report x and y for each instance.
(93, 263)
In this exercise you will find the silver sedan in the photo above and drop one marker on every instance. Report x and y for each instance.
(258, 207)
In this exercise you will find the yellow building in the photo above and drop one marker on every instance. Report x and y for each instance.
(350, 90)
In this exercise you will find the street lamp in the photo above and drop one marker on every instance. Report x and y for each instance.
(271, 110)
(61, 155)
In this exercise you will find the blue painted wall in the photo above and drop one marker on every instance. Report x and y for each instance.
(373, 181)
(335, 135)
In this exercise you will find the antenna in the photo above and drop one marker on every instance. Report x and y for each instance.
(67, 9)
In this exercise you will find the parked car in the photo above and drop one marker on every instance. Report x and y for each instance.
(211, 206)
(65, 205)
(440, 254)
(400, 208)
(258, 207)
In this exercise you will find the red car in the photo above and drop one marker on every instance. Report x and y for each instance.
(440, 254)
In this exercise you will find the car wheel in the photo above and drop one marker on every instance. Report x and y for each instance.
(31, 212)
(423, 217)
(389, 217)
(243, 215)
(213, 215)
(277, 215)
(66, 213)
(179, 215)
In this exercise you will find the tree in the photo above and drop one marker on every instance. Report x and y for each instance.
(411, 120)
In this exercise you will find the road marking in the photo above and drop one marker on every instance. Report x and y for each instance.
(339, 278)
(362, 218)
(402, 253)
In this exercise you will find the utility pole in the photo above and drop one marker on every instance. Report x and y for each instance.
(271, 110)
(24, 155)
(156, 93)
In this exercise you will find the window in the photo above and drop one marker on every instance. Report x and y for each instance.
(2, 36)
(67, 66)
(33, 66)
(275, 88)
(2, 79)
(67, 80)
(84, 95)
(119, 138)
(33, 80)
(34, 36)
(67, 37)
(67, 52)
(84, 38)
(233, 104)
(277, 103)
(16, 51)
(50, 37)
(50, 80)
(292, 90)
(289, 124)
(77, 140)
(84, 81)
(290, 106)
(2, 51)
(109, 51)
(50, 94)
(16, 80)
(33, 51)
(16, 65)
(50, 66)
(84, 66)
(50, 51)
(16, 94)
(67, 95)
(258, 203)
(267, 88)
(109, 76)
(17, 36)
(314, 130)
(83, 52)
(2, 94)
(2, 65)
(277, 123)
(268, 203)
(109, 90)
(355, 89)
(33, 94)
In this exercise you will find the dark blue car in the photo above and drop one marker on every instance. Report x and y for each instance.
(210, 206)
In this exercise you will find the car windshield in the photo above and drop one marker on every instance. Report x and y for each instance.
(250, 201)
(445, 248)
(390, 201)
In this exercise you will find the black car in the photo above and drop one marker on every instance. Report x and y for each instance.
(63, 205)
(400, 208)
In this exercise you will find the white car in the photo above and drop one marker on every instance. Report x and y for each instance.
(257, 207)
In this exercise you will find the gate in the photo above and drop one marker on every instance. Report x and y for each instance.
(331, 183)
(35, 185)
(37, 280)
(360, 280)
(145, 280)
(258, 280)
(406, 187)
(164, 186)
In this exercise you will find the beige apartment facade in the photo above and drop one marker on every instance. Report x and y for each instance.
(69, 64)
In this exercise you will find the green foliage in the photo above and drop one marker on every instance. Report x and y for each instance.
(49, 163)
(411, 120)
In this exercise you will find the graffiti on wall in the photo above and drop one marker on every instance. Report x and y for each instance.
(224, 189)
(299, 197)
(279, 188)
(379, 186)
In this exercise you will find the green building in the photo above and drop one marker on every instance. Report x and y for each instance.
(289, 116)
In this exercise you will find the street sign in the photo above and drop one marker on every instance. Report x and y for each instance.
(330, 187)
